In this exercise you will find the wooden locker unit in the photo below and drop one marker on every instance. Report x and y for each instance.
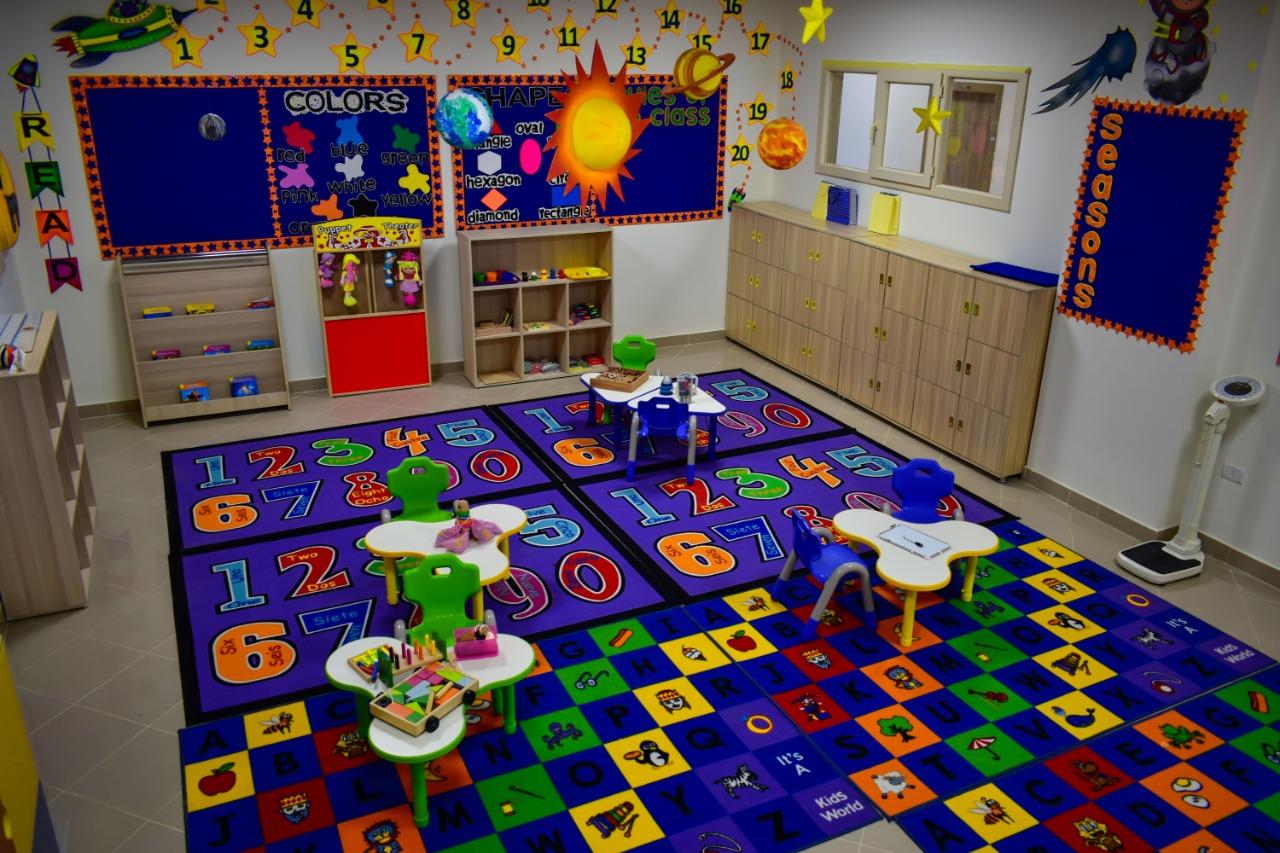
(47, 508)
(900, 327)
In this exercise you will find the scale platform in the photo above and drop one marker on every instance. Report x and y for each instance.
(1151, 562)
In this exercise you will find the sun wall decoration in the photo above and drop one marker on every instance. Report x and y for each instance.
(597, 126)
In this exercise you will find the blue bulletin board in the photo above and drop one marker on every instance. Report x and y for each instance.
(296, 150)
(678, 176)
(1153, 191)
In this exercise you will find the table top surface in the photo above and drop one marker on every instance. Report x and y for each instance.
(703, 403)
(902, 568)
(513, 662)
(401, 538)
(615, 397)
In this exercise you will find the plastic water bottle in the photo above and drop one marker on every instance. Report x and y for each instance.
(666, 389)
(399, 631)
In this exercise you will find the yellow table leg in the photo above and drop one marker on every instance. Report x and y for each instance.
(389, 572)
(970, 572)
(477, 605)
(908, 625)
(504, 545)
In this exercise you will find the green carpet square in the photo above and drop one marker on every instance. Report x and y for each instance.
(986, 609)
(593, 680)
(618, 637)
(498, 790)
(547, 734)
(982, 693)
(986, 649)
(989, 749)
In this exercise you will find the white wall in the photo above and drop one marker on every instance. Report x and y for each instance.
(1117, 418)
(11, 298)
(669, 279)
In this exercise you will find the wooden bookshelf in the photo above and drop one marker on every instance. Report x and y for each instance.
(498, 359)
(47, 508)
(229, 281)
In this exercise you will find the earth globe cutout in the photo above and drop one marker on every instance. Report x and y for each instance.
(782, 144)
(464, 118)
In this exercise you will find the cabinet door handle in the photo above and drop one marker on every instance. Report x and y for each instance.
(965, 309)
(813, 304)
(960, 425)
(968, 369)
(877, 385)
(976, 306)
(882, 279)
(957, 365)
(951, 421)
(871, 382)
(884, 334)
(875, 332)
(891, 281)
(817, 256)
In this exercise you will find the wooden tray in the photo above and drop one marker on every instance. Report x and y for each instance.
(620, 379)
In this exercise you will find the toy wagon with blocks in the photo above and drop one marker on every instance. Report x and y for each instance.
(419, 702)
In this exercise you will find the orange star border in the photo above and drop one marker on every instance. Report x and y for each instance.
(479, 81)
(1237, 118)
(81, 86)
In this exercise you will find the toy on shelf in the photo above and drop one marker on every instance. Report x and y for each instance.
(260, 343)
(583, 272)
(409, 272)
(163, 354)
(541, 365)
(465, 530)
(496, 277)
(419, 702)
(199, 307)
(326, 269)
(477, 641)
(215, 349)
(536, 326)
(13, 359)
(388, 269)
(501, 326)
(350, 277)
(381, 664)
(244, 386)
(260, 303)
(620, 379)
(194, 392)
(584, 311)
(157, 311)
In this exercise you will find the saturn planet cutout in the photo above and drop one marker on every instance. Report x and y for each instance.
(697, 73)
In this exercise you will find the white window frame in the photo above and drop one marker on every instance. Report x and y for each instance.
(940, 79)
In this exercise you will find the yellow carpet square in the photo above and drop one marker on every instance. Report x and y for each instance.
(273, 725)
(672, 701)
(1066, 623)
(1051, 553)
(1074, 666)
(1059, 586)
(742, 642)
(694, 654)
(218, 780)
(1079, 715)
(615, 823)
(646, 757)
(991, 813)
(754, 604)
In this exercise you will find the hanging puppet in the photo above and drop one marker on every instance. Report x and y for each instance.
(1112, 61)
(1179, 54)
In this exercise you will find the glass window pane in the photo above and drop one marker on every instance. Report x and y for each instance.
(977, 135)
(903, 147)
(857, 110)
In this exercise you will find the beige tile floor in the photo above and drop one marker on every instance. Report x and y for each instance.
(100, 687)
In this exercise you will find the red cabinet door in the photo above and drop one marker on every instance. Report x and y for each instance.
(377, 353)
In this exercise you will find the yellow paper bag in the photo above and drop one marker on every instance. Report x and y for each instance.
(819, 209)
(885, 209)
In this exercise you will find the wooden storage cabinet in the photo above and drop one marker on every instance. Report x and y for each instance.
(47, 508)
(497, 359)
(902, 328)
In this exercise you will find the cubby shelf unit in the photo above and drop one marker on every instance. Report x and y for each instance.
(498, 358)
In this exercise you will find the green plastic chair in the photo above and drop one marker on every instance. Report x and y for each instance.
(634, 352)
(442, 586)
(418, 482)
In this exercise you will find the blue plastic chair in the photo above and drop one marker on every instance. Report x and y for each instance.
(663, 416)
(921, 483)
(829, 563)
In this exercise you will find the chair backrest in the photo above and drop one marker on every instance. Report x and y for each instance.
(921, 483)
(807, 545)
(663, 414)
(418, 482)
(634, 352)
(442, 586)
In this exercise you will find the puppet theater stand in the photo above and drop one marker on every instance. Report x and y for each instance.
(497, 359)
(230, 281)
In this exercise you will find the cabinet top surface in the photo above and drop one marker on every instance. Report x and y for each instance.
(31, 333)
(914, 249)
(502, 234)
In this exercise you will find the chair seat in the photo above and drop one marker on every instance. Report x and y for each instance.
(833, 557)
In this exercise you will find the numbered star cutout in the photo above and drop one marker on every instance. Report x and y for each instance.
(815, 21)
(605, 9)
(758, 110)
(931, 117)
(569, 35)
(544, 6)
(351, 54)
(259, 36)
(306, 12)
(184, 48)
(758, 40)
(702, 38)
(636, 53)
(740, 151)
(462, 13)
(732, 8)
(508, 45)
(414, 180)
(787, 78)
(670, 17)
(388, 6)
(418, 43)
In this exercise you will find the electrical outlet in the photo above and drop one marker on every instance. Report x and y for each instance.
(1234, 473)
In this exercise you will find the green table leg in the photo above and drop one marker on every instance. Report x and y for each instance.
(509, 708)
(418, 776)
(495, 696)
(362, 716)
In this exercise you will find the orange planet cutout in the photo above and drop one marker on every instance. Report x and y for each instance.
(697, 73)
(597, 126)
(782, 143)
